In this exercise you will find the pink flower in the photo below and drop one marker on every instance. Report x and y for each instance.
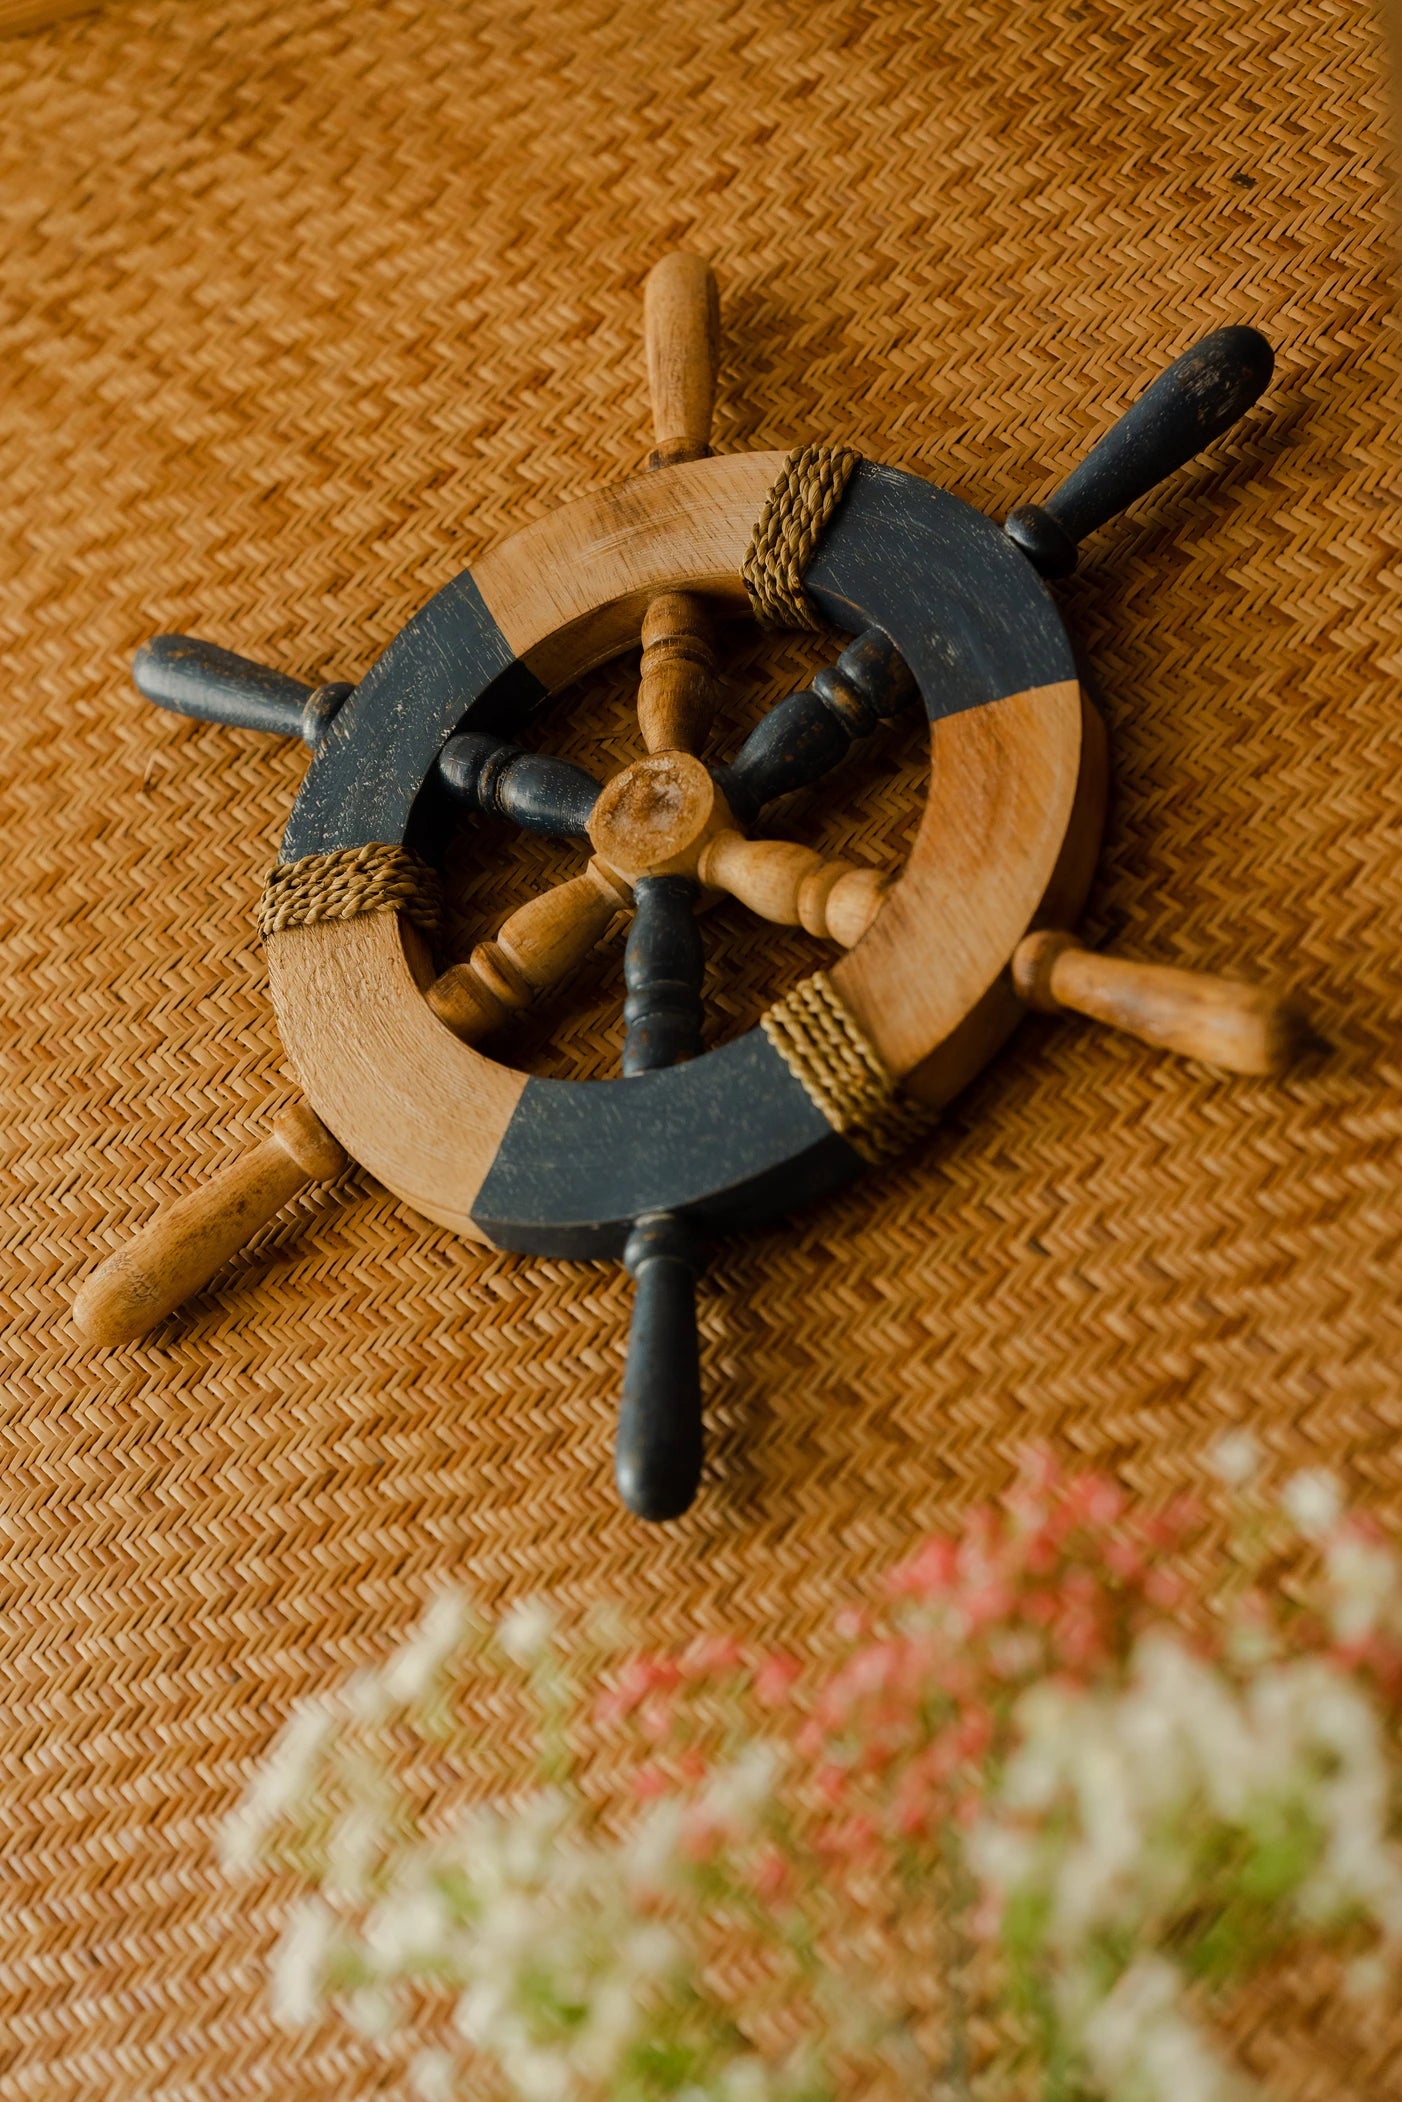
(708, 1656)
(855, 1837)
(638, 1679)
(700, 1840)
(774, 1680)
(656, 1718)
(928, 1573)
(773, 1876)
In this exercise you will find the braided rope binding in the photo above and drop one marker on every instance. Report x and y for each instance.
(838, 1068)
(348, 885)
(811, 485)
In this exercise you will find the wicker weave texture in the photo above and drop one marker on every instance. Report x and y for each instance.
(304, 303)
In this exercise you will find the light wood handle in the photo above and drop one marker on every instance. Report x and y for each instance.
(794, 886)
(681, 323)
(534, 949)
(1240, 1028)
(178, 1253)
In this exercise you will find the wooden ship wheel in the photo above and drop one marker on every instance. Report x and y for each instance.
(924, 973)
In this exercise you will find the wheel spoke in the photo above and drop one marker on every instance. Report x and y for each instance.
(805, 736)
(681, 321)
(536, 792)
(660, 1443)
(793, 886)
(659, 1446)
(677, 682)
(662, 969)
(658, 1451)
(532, 951)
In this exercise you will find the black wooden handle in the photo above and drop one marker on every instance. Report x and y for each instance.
(1197, 398)
(804, 737)
(657, 1458)
(537, 793)
(191, 677)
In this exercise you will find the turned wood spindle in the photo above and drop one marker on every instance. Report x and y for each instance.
(804, 736)
(794, 886)
(662, 967)
(179, 1251)
(529, 789)
(531, 951)
(681, 323)
(659, 1447)
(1240, 1028)
(665, 816)
(676, 682)
(681, 328)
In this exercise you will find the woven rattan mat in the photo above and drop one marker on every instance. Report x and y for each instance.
(302, 304)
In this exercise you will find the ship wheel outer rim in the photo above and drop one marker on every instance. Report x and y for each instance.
(562, 1167)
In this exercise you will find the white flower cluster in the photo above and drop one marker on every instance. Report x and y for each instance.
(1143, 1833)
(1120, 1810)
(552, 1939)
(558, 1979)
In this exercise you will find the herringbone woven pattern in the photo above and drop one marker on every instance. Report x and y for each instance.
(303, 303)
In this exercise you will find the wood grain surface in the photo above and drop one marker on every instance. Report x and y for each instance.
(534, 948)
(1002, 791)
(178, 1252)
(681, 331)
(569, 591)
(418, 1108)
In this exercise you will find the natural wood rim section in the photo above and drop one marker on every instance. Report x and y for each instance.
(420, 1110)
(425, 1113)
(569, 591)
(1002, 789)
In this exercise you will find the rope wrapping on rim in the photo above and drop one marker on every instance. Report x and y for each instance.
(348, 885)
(811, 485)
(839, 1069)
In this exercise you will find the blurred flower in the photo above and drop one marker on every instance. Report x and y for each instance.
(434, 2076)
(1019, 1738)
(284, 1784)
(1141, 2042)
(1235, 1458)
(415, 1666)
(1365, 1585)
(527, 1631)
(1314, 1500)
(303, 1962)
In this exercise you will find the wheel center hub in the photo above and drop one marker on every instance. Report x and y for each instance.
(655, 817)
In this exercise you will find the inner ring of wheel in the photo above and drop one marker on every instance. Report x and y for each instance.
(563, 1167)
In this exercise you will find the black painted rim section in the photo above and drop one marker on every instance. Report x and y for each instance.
(730, 1137)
